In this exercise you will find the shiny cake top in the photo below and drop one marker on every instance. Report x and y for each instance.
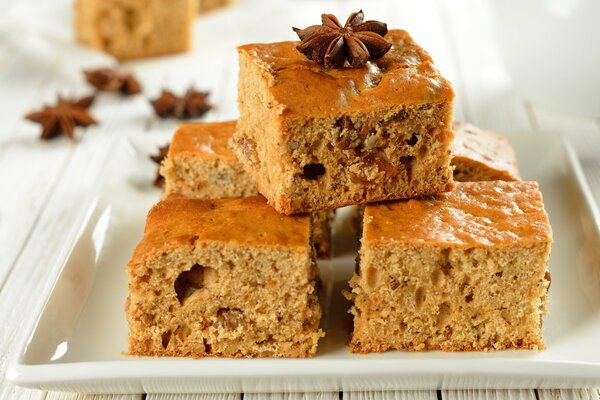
(300, 87)
(475, 214)
(248, 222)
(208, 139)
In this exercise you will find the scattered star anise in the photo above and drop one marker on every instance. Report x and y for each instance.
(192, 105)
(111, 80)
(63, 117)
(159, 181)
(331, 44)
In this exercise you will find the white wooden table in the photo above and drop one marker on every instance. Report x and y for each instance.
(45, 182)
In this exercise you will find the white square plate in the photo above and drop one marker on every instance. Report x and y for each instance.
(78, 340)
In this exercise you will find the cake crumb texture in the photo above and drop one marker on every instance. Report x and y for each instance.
(223, 278)
(441, 273)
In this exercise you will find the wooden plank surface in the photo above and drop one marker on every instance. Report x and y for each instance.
(229, 396)
(568, 394)
(488, 395)
(76, 396)
(9, 392)
(292, 396)
(392, 395)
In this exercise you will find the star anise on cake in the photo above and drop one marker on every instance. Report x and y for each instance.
(191, 105)
(63, 117)
(159, 181)
(332, 44)
(112, 80)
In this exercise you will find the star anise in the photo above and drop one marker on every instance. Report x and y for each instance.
(331, 44)
(63, 117)
(192, 105)
(159, 181)
(111, 80)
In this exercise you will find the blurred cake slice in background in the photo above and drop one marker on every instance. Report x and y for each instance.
(130, 29)
(482, 155)
(209, 5)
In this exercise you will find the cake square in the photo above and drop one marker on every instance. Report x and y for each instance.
(223, 278)
(201, 165)
(458, 271)
(130, 29)
(482, 155)
(313, 138)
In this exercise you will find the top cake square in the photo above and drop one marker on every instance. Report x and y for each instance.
(315, 138)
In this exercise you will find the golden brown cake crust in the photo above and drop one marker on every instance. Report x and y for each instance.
(483, 151)
(211, 140)
(179, 220)
(475, 214)
(300, 88)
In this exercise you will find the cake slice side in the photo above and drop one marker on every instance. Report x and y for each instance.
(255, 142)
(211, 299)
(223, 278)
(459, 271)
(420, 298)
(401, 152)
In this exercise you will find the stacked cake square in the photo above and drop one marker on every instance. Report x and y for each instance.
(315, 138)
(227, 265)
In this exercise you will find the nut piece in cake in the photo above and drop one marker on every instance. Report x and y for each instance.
(482, 155)
(223, 278)
(201, 165)
(464, 270)
(130, 29)
(314, 138)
